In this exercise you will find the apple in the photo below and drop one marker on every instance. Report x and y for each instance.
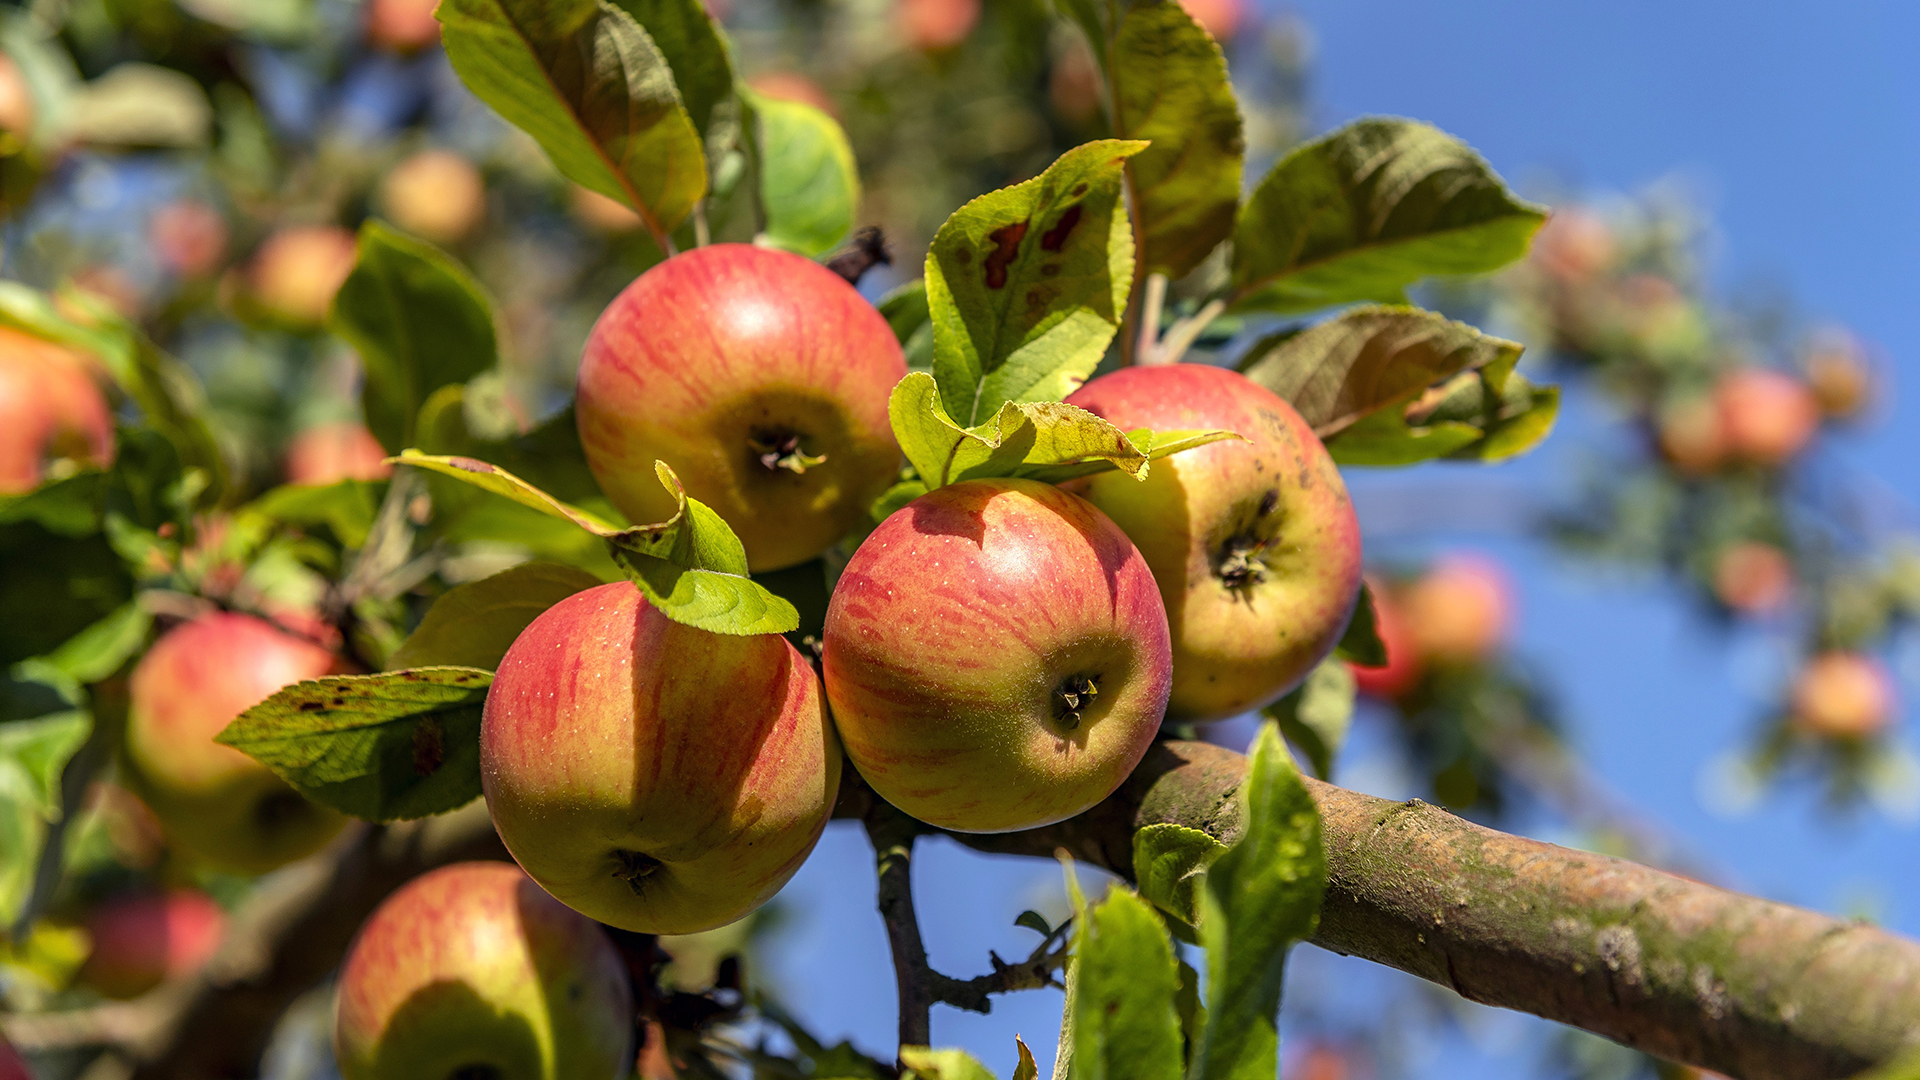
(762, 378)
(1691, 436)
(997, 656)
(214, 802)
(16, 100)
(935, 25)
(53, 416)
(1843, 695)
(603, 214)
(1460, 610)
(655, 777)
(402, 26)
(189, 236)
(1322, 1061)
(436, 194)
(793, 86)
(1575, 245)
(143, 939)
(1768, 416)
(1752, 578)
(1220, 18)
(12, 1065)
(298, 269)
(470, 972)
(329, 453)
(1403, 668)
(1839, 376)
(1073, 85)
(1254, 543)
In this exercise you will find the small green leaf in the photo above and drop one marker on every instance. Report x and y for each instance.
(70, 506)
(388, 747)
(1027, 1068)
(1035, 922)
(1315, 716)
(473, 624)
(1259, 898)
(809, 186)
(930, 1064)
(45, 721)
(1027, 285)
(1368, 359)
(586, 80)
(1364, 212)
(346, 507)
(1360, 643)
(1122, 1013)
(1169, 862)
(102, 649)
(419, 322)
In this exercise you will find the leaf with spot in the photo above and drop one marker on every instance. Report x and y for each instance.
(1028, 284)
(1364, 212)
(419, 322)
(690, 566)
(388, 747)
(1316, 715)
(474, 624)
(1124, 1023)
(587, 81)
(809, 186)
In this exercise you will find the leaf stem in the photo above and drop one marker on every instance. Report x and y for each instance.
(1181, 335)
(1150, 308)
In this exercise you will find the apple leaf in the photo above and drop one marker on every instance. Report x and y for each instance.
(43, 720)
(347, 507)
(1360, 643)
(1369, 358)
(1170, 88)
(1488, 415)
(696, 55)
(1169, 862)
(691, 566)
(473, 624)
(68, 506)
(929, 1064)
(809, 186)
(103, 648)
(1125, 980)
(1316, 714)
(390, 747)
(1026, 1068)
(1027, 285)
(586, 80)
(1260, 896)
(907, 313)
(1049, 441)
(1034, 921)
(1364, 212)
(419, 322)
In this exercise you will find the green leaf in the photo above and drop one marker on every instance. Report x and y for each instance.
(388, 747)
(1370, 358)
(930, 1064)
(1035, 922)
(809, 186)
(1027, 285)
(43, 721)
(419, 322)
(347, 507)
(1364, 212)
(696, 55)
(1169, 862)
(691, 566)
(1027, 1069)
(1122, 1013)
(907, 313)
(1488, 414)
(1049, 441)
(69, 506)
(103, 648)
(1315, 716)
(1360, 643)
(473, 624)
(1170, 88)
(1259, 898)
(589, 84)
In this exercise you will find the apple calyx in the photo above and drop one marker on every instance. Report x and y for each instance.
(1241, 565)
(1074, 694)
(635, 868)
(781, 450)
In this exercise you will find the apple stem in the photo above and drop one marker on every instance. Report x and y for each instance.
(782, 451)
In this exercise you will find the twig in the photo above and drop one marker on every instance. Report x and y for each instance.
(1150, 308)
(1181, 335)
(892, 834)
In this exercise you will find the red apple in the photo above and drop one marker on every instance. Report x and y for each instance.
(329, 453)
(189, 236)
(12, 1065)
(296, 272)
(1575, 245)
(997, 656)
(1768, 416)
(650, 775)
(53, 416)
(402, 26)
(1254, 543)
(1220, 18)
(143, 939)
(1459, 612)
(1752, 578)
(216, 803)
(1843, 695)
(1839, 375)
(1691, 436)
(436, 194)
(935, 25)
(1403, 667)
(470, 972)
(793, 86)
(763, 379)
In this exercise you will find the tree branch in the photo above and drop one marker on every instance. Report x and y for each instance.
(892, 834)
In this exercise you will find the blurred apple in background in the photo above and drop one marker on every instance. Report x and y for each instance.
(1691, 436)
(16, 100)
(1767, 416)
(1843, 695)
(12, 1065)
(143, 939)
(296, 272)
(1575, 245)
(435, 194)
(1221, 18)
(189, 237)
(793, 86)
(1839, 375)
(402, 26)
(1753, 578)
(1459, 611)
(1074, 86)
(53, 416)
(601, 213)
(1403, 668)
(329, 453)
(935, 25)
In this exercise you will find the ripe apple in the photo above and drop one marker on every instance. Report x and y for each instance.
(997, 656)
(762, 378)
(216, 803)
(1839, 375)
(1575, 245)
(470, 972)
(298, 269)
(189, 236)
(329, 453)
(1459, 611)
(1254, 543)
(1843, 695)
(935, 25)
(143, 939)
(1691, 436)
(1768, 416)
(650, 775)
(12, 1065)
(436, 194)
(1403, 667)
(1752, 577)
(16, 100)
(793, 86)
(53, 416)
(1220, 18)
(402, 26)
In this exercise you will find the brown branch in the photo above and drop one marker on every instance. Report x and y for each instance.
(892, 834)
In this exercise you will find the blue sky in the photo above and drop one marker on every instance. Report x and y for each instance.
(1798, 126)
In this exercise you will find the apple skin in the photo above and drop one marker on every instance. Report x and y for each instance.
(16, 101)
(1234, 648)
(1460, 611)
(1402, 671)
(214, 802)
(50, 409)
(12, 1065)
(296, 272)
(189, 237)
(143, 939)
(402, 26)
(618, 745)
(1768, 416)
(436, 194)
(953, 630)
(714, 355)
(472, 971)
(329, 453)
(935, 25)
(1843, 695)
(1752, 578)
